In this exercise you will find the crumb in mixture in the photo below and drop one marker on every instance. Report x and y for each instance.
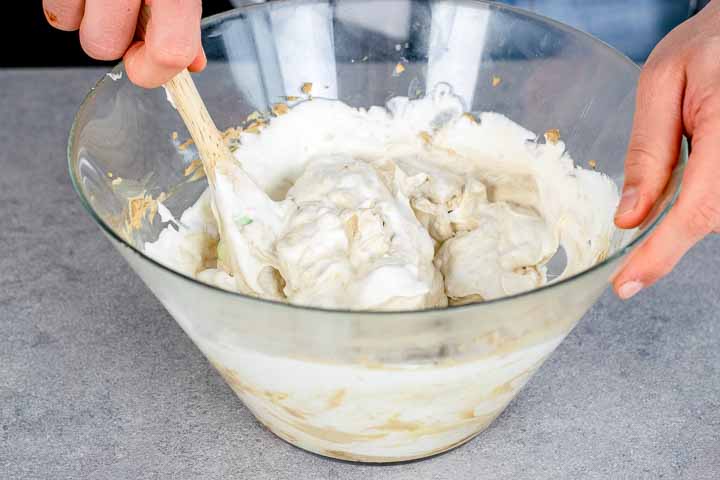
(186, 144)
(193, 167)
(280, 109)
(306, 88)
(552, 136)
(399, 69)
(337, 398)
(142, 207)
(232, 133)
(255, 127)
(254, 116)
(592, 164)
(174, 136)
(496, 80)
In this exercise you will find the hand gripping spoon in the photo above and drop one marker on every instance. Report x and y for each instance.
(248, 219)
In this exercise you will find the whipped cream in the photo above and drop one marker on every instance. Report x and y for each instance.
(412, 206)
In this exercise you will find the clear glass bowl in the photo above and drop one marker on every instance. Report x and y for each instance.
(374, 387)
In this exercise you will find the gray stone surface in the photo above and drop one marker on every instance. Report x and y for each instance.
(97, 381)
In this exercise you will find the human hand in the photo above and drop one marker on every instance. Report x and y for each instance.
(107, 32)
(679, 92)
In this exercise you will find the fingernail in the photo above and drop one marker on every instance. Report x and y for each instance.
(628, 201)
(629, 289)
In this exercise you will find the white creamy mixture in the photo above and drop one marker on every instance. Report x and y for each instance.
(410, 207)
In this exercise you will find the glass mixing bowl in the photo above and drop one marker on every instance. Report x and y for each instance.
(361, 386)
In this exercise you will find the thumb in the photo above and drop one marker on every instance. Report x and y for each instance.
(655, 141)
(696, 214)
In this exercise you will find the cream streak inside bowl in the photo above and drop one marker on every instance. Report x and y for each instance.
(374, 412)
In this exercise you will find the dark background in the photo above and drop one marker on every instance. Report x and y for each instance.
(632, 26)
(43, 46)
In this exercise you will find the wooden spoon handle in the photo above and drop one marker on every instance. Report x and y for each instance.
(189, 104)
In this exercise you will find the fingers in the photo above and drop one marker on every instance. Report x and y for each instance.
(108, 27)
(655, 141)
(172, 43)
(696, 214)
(200, 62)
(64, 14)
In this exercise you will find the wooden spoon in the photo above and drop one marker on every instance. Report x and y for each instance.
(234, 194)
(210, 143)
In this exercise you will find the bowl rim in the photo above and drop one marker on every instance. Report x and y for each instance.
(487, 4)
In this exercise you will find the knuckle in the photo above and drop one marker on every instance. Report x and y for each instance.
(660, 79)
(642, 154)
(701, 105)
(102, 49)
(657, 269)
(660, 271)
(136, 78)
(656, 259)
(706, 50)
(702, 98)
(705, 217)
(637, 161)
(658, 71)
(137, 71)
(141, 81)
(174, 54)
(647, 264)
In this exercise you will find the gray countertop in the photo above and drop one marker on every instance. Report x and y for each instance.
(97, 381)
